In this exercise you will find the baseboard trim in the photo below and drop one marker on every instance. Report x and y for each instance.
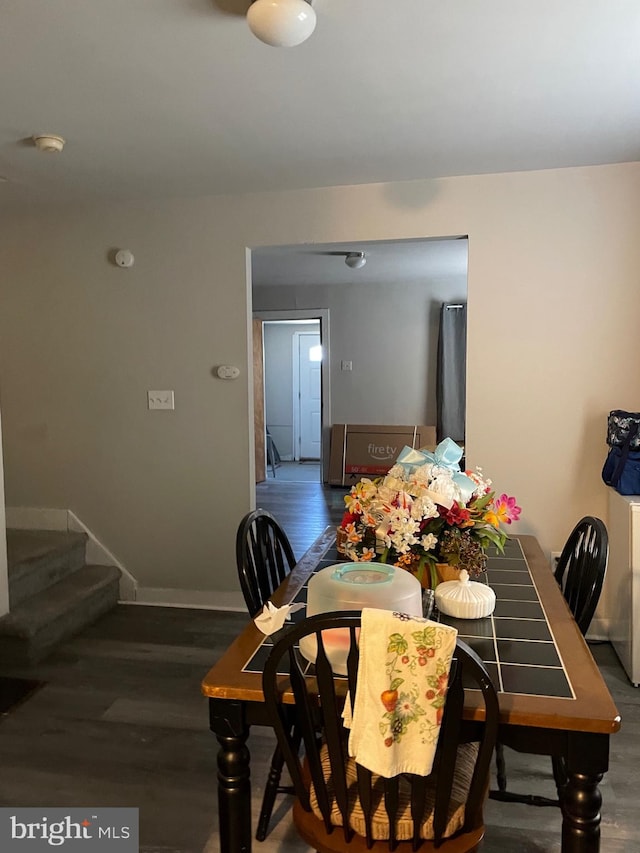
(41, 518)
(599, 629)
(198, 599)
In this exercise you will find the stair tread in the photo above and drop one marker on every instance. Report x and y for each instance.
(24, 546)
(34, 613)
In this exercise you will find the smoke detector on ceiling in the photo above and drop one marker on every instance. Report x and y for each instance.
(48, 142)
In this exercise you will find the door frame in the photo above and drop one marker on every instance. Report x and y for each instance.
(297, 427)
(321, 314)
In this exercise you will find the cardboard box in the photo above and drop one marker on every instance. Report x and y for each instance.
(366, 450)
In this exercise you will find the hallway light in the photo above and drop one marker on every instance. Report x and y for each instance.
(355, 260)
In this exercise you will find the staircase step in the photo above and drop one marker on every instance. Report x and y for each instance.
(31, 630)
(39, 558)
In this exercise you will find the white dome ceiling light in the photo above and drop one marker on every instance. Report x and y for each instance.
(48, 142)
(355, 260)
(281, 23)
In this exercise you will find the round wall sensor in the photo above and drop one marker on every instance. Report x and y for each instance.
(228, 371)
(48, 142)
(124, 258)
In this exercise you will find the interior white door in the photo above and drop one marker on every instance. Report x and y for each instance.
(309, 395)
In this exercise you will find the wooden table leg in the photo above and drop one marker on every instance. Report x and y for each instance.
(587, 763)
(228, 723)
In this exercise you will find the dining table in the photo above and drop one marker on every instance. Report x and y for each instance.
(553, 700)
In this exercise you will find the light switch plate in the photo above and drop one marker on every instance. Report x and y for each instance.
(160, 400)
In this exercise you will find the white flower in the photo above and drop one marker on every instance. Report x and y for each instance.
(483, 486)
(424, 474)
(443, 485)
(368, 489)
(396, 471)
(396, 484)
(423, 508)
(405, 706)
(429, 541)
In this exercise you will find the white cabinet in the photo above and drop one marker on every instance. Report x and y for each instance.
(623, 580)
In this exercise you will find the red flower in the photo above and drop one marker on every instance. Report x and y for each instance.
(458, 515)
(349, 518)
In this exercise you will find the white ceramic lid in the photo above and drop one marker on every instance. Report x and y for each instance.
(465, 599)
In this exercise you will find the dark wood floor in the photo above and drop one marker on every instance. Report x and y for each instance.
(121, 722)
(303, 509)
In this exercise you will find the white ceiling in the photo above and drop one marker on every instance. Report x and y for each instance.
(176, 97)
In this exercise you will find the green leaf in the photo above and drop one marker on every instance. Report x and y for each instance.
(488, 535)
(396, 683)
(483, 502)
(397, 644)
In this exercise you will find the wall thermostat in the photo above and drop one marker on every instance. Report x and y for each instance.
(226, 371)
(124, 258)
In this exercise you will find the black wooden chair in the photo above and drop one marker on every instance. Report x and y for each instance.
(580, 574)
(342, 806)
(264, 558)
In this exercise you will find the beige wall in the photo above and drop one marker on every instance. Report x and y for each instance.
(553, 300)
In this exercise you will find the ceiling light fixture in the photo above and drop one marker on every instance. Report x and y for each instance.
(281, 23)
(48, 142)
(355, 260)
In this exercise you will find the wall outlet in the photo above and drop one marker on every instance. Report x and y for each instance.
(160, 400)
(346, 365)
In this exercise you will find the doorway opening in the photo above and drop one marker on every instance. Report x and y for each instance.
(293, 392)
(385, 326)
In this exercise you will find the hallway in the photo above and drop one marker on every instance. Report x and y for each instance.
(303, 509)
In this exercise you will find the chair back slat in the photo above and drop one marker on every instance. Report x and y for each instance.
(365, 795)
(334, 735)
(472, 667)
(264, 557)
(281, 723)
(318, 698)
(418, 807)
(446, 753)
(581, 568)
(391, 801)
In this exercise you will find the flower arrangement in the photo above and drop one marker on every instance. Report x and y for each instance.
(425, 511)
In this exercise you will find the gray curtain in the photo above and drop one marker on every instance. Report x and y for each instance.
(451, 385)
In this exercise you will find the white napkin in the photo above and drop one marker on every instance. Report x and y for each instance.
(402, 680)
(273, 618)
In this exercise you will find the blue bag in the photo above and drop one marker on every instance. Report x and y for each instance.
(622, 466)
